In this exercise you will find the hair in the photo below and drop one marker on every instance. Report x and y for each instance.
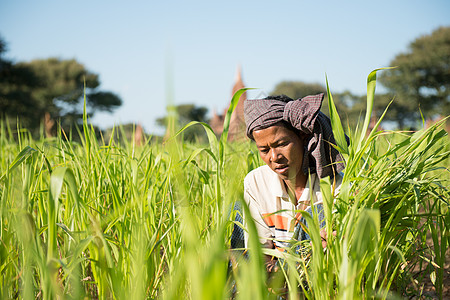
(283, 98)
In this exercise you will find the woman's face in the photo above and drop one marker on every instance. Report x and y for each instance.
(281, 149)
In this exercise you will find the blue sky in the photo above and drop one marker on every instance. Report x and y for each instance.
(136, 45)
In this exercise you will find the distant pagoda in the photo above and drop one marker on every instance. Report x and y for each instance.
(237, 122)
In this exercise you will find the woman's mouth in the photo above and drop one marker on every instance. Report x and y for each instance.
(282, 170)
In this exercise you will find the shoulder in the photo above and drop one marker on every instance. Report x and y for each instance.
(258, 176)
(262, 183)
(261, 187)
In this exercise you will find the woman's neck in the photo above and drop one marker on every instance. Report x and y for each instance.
(295, 188)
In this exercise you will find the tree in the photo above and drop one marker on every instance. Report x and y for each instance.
(185, 114)
(298, 89)
(62, 87)
(421, 81)
(15, 85)
(29, 90)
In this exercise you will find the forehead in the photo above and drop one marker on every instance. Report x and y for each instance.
(273, 133)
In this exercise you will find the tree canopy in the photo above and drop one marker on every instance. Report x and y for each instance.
(421, 79)
(298, 89)
(185, 114)
(29, 90)
(420, 83)
(16, 83)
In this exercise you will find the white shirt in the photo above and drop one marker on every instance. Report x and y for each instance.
(274, 214)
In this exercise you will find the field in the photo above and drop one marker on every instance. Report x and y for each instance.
(108, 220)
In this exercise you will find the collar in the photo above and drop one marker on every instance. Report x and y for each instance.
(278, 188)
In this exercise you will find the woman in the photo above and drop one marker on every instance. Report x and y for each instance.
(294, 140)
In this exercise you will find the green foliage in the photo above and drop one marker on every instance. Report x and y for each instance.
(298, 89)
(385, 191)
(419, 85)
(61, 87)
(28, 90)
(185, 114)
(108, 221)
(421, 79)
(15, 95)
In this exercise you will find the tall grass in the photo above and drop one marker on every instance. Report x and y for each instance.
(112, 221)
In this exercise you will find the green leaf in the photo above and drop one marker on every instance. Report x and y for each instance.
(20, 158)
(433, 277)
(371, 84)
(212, 139)
(226, 122)
(336, 124)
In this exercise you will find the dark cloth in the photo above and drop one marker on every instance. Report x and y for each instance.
(304, 115)
(237, 236)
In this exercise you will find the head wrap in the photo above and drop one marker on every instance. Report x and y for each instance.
(304, 115)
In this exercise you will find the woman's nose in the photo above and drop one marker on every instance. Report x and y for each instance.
(274, 155)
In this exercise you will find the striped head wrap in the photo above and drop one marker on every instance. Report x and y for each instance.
(304, 115)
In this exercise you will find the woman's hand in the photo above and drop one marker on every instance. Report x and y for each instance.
(271, 265)
(323, 235)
